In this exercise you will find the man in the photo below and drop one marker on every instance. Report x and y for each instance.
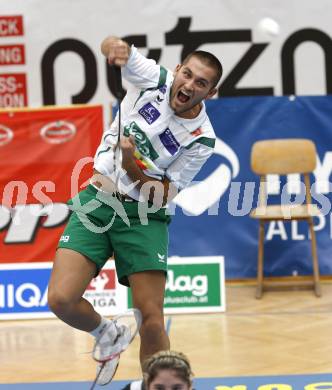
(166, 137)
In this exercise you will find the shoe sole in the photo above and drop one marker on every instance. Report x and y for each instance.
(106, 383)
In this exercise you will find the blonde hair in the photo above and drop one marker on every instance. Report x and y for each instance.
(167, 360)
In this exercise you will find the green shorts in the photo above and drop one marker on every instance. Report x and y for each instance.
(134, 234)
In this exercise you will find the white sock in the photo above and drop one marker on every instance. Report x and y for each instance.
(100, 328)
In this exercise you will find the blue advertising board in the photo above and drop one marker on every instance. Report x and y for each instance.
(23, 290)
(212, 217)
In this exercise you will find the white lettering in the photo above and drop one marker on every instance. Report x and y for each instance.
(272, 184)
(10, 295)
(321, 223)
(33, 300)
(8, 27)
(198, 285)
(295, 234)
(10, 55)
(4, 217)
(25, 221)
(323, 172)
(8, 84)
(15, 100)
(276, 228)
(2, 295)
(43, 301)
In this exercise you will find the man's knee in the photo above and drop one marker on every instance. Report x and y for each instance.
(58, 302)
(152, 319)
(153, 328)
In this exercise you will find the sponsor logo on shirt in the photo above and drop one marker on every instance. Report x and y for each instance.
(149, 113)
(169, 141)
(159, 99)
(163, 88)
(142, 142)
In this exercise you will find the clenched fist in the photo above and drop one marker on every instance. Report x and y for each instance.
(127, 145)
(115, 50)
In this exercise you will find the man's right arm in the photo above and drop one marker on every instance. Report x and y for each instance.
(143, 73)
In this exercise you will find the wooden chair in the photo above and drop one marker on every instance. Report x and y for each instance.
(283, 157)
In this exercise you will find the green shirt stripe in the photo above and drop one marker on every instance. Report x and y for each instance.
(161, 82)
(210, 142)
(162, 76)
(104, 151)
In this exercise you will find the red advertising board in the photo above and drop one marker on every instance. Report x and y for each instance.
(11, 26)
(12, 55)
(13, 90)
(45, 157)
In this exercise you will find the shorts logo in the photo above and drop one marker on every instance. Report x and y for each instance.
(169, 141)
(64, 238)
(161, 258)
(149, 113)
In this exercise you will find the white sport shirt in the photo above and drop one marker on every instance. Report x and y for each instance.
(166, 145)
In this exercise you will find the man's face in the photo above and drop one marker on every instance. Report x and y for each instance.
(193, 82)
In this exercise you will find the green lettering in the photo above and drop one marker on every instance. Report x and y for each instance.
(142, 142)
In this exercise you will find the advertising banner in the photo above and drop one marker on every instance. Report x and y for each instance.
(23, 291)
(45, 157)
(105, 294)
(194, 285)
(226, 189)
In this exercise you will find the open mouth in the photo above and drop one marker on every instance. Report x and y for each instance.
(183, 97)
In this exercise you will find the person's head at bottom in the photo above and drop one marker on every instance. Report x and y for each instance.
(167, 370)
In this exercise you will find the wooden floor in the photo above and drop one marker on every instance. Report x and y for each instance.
(286, 332)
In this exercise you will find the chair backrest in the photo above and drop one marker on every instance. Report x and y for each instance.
(283, 156)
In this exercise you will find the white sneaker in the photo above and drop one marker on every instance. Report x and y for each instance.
(106, 371)
(114, 339)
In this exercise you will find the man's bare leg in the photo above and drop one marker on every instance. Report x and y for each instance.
(72, 273)
(148, 290)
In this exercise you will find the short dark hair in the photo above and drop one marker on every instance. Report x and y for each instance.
(208, 59)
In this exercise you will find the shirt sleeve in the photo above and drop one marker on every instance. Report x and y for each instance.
(142, 72)
(182, 171)
(104, 157)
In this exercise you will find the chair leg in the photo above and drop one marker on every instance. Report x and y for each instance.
(317, 287)
(260, 262)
